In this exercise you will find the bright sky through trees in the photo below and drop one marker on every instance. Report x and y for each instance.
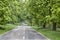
(24, 1)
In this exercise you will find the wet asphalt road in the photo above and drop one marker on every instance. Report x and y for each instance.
(22, 33)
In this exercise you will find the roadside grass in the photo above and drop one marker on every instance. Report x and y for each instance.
(17, 24)
(7, 27)
(53, 35)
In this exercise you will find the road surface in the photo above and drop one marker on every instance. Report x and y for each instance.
(22, 33)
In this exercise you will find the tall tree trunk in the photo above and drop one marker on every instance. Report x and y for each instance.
(54, 26)
(44, 25)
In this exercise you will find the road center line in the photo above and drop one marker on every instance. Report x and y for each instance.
(23, 37)
(24, 34)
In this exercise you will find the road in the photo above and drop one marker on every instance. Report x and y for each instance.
(22, 33)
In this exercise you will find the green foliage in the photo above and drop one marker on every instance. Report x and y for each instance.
(36, 12)
(10, 11)
(42, 12)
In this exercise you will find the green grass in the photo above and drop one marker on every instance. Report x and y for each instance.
(6, 28)
(53, 35)
(18, 24)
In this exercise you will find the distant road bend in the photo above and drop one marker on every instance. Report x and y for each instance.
(22, 33)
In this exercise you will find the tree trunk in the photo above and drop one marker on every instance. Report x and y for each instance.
(54, 26)
(44, 25)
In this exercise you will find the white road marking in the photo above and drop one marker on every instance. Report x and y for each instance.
(23, 37)
(24, 33)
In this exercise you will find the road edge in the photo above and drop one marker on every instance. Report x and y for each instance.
(42, 34)
(7, 32)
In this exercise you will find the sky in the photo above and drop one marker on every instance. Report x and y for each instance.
(23, 0)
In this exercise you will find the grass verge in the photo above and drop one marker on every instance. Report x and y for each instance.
(53, 35)
(6, 28)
